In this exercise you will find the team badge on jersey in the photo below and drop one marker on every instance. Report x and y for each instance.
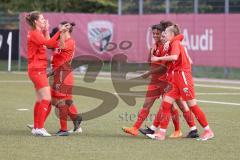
(185, 90)
(100, 33)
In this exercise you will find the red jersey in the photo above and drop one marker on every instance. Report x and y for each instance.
(37, 57)
(158, 52)
(64, 55)
(176, 48)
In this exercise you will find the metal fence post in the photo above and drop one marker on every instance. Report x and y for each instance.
(119, 7)
(226, 6)
(140, 10)
(226, 10)
(19, 44)
(196, 9)
(167, 6)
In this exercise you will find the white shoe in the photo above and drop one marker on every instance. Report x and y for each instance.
(33, 131)
(158, 136)
(152, 136)
(79, 130)
(42, 132)
(30, 126)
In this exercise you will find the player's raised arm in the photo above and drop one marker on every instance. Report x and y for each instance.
(39, 39)
(165, 58)
(46, 30)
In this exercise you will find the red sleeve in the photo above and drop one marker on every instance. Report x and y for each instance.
(175, 48)
(56, 45)
(69, 46)
(38, 39)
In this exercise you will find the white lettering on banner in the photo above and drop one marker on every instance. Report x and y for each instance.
(202, 42)
(194, 42)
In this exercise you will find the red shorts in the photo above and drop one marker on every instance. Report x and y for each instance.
(156, 88)
(182, 86)
(62, 85)
(38, 77)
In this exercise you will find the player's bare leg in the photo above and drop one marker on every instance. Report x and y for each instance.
(143, 113)
(175, 118)
(165, 112)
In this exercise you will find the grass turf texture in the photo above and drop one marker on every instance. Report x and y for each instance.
(102, 138)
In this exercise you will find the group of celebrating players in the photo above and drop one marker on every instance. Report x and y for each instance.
(60, 92)
(167, 54)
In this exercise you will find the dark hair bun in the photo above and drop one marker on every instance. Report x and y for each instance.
(73, 24)
(66, 22)
(54, 31)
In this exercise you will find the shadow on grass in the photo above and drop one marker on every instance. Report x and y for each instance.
(111, 135)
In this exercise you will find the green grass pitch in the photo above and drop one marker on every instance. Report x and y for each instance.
(102, 138)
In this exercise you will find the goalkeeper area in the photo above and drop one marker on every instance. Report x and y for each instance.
(102, 137)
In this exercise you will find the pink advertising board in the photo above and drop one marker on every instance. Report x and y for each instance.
(211, 39)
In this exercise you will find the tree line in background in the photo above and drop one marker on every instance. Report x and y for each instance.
(9, 9)
(110, 6)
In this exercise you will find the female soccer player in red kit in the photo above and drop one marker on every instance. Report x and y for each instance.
(182, 86)
(63, 80)
(182, 104)
(155, 90)
(37, 40)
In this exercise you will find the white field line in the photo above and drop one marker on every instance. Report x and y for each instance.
(197, 85)
(109, 78)
(218, 102)
(212, 80)
(216, 86)
(15, 81)
(201, 101)
(201, 93)
(106, 75)
(22, 109)
(218, 93)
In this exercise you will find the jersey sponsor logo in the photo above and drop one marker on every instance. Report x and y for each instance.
(100, 33)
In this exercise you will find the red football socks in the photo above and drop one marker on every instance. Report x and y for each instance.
(42, 112)
(156, 121)
(175, 119)
(72, 112)
(189, 118)
(166, 113)
(63, 114)
(201, 117)
(36, 107)
(141, 117)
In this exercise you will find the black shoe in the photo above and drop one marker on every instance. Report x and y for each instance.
(62, 133)
(193, 134)
(77, 122)
(146, 131)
